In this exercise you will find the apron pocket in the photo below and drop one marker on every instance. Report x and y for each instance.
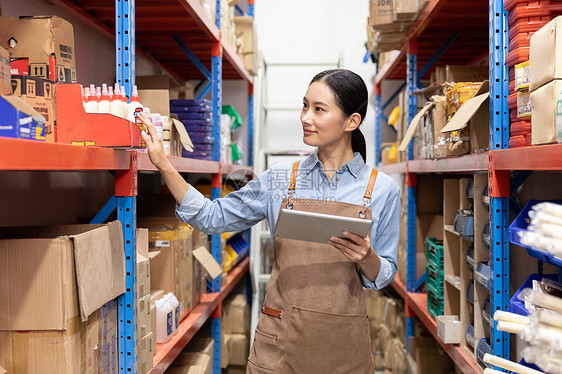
(265, 350)
(323, 342)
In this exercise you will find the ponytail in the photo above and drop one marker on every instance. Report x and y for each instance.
(358, 143)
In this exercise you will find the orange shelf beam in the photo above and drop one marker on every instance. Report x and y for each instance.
(198, 13)
(22, 154)
(418, 304)
(166, 353)
(467, 163)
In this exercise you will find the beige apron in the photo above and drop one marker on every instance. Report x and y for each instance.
(313, 319)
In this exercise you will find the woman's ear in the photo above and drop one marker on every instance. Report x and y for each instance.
(352, 122)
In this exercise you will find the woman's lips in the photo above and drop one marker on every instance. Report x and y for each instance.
(308, 132)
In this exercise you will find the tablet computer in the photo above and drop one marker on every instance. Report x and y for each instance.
(317, 227)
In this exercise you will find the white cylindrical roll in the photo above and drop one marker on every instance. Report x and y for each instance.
(500, 315)
(511, 327)
(509, 365)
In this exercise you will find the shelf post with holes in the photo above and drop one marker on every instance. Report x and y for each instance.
(125, 193)
(216, 182)
(378, 124)
(499, 181)
(125, 44)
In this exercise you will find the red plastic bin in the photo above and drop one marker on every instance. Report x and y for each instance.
(511, 72)
(513, 115)
(529, 139)
(540, 8)
(517, 56)
(522, 128)
(511, 85)
(517, 142)
(522, 39)
(528, 24)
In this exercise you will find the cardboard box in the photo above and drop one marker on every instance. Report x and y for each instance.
(5, 74)
(546, 120)
(146, 353)
(381, 14)
(39, 94)
(466, 73)
(225, 354)
(474, 112)
(545, 59)
(190, 359)
(203, 345)
(440, 140)
(238, 349)
(19, 120)
(41, 46)
(433, 361)
(83, 347)
(63, 272)
(144, 318)
(238, 314)
(405, 10)
(143, 276)
(171, 270)
(247, 35)
(236, 369)
(211, 266)
(153, 323)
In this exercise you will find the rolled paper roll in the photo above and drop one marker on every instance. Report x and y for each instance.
(500, 315)
(509, 365)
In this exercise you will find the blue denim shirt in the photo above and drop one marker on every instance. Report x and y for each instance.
(261, 199)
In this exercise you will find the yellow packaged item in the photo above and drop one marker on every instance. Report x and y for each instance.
(524, 107)
(459, 93)
(522, 76)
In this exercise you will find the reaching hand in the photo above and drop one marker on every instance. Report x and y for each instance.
(154, 144)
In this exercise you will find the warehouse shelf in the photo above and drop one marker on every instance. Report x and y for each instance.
(540, 157)
(21, 154)
(434, 24)
(183, 165)
(166, 353)
(467, 163)
(156, 24)
(417, 302)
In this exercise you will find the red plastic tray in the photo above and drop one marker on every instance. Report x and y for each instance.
(529, 139)
(528, 24)
(512, 101)
(517, 56)
(523, 39)
(520, 128)
(526, 9)
(510, 4)
(511, 72)
(517, 141)
(511, 86)
(513, 115)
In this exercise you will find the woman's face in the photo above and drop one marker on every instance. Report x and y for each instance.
(322, 120)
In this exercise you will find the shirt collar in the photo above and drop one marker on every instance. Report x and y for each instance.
(354, 166)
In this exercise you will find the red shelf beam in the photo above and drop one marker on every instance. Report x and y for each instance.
(21, 154)
(418, 303)
(470, 162)
(166, 353)
(539, 157)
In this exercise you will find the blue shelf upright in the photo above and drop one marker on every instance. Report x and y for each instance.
(378, 125)
(499, 181)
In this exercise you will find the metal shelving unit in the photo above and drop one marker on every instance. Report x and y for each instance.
(162, 32)
(457, 32)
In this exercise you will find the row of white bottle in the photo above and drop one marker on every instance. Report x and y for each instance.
(107, 100)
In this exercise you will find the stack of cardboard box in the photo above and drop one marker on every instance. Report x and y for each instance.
(247, 42)
(236, 329)
(387, 332)
(146, 311)
(546, 83)
(58, 300)
(42, 53)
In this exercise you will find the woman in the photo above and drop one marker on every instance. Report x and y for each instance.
(313, 318)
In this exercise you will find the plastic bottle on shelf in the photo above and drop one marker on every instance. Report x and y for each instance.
(157, 122)
(85, 97)
(124, 102)
(116, 105)
(92, 103)
(166, 134)
(134, 108)
(98, 94)
(104, 106)
(166, 309)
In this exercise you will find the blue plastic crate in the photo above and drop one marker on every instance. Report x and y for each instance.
(470, 189)
(470, 293)
(486, 312)
(470, 259)
(464, 226)
(483, 275)
(485, 199)
(486, 235)
(518, 306)
(469, 335)
(520, 225)
(482, 348)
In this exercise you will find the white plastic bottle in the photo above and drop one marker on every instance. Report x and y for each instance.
(166, 317)
(92, 103)
(104, 105)
(85, 97)
(157, 122)
(134, 108)
(116, 104)
(124, 102)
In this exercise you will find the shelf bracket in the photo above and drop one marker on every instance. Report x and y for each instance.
(420, 282)
(193, 58)
(519, 179)
(201, 95)
(105, 211)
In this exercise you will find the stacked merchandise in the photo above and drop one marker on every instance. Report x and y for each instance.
(196, 115)
(388, 332)
(434, 278)
(525, 18)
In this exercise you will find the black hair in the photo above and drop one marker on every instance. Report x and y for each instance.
(352, 96)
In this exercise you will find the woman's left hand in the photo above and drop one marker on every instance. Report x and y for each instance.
(354, 248)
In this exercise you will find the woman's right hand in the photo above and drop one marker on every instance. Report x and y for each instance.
(154, 143)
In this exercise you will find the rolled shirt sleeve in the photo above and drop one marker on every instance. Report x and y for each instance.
(237, 211)
(385, 242)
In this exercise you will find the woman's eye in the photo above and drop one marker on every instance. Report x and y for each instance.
(318, 109)
(304, 105)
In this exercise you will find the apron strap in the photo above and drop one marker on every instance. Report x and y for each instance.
(293, 177)
(371, 184)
